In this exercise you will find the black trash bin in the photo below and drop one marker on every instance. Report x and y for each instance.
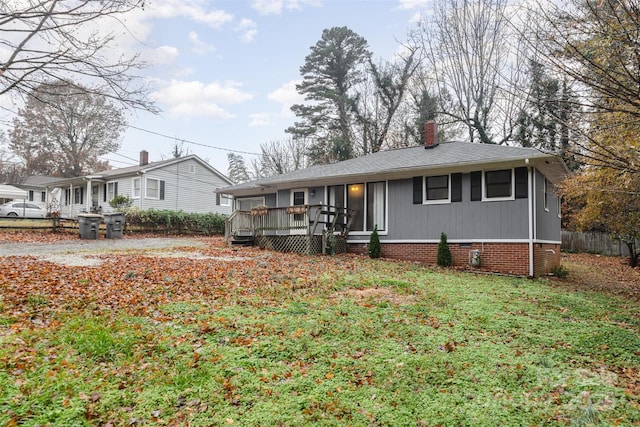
(89, 225)
(115, 223)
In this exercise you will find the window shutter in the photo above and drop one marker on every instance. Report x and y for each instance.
(417, 190)
(456, 187)
(476, 186)
(104, 193)
(522, 183)
(115, 189)
(217, 199)
(161, 190)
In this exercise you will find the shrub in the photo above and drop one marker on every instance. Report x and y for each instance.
(121, 202)
(444, 254)
(560, 271)
(177, 221)
(374, 244)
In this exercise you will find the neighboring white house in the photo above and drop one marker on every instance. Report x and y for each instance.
(36, 188)
(186, 184)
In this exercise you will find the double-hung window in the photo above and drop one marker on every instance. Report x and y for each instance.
(436, 188)
(154, 189)
(498, 184)
(112, 190)
(135, 188)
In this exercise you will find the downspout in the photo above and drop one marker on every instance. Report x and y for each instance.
(531, 216)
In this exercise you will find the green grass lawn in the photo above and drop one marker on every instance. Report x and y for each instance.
(362, 343)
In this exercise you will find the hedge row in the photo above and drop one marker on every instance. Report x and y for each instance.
(176, 221)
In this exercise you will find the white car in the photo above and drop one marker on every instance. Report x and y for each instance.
(23, 210)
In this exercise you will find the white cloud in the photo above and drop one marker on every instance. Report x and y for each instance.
(200, 47)
(268, 7)
(163, 55)
(275, 7)
(286, 95)
(192, 9)
(260, 119)
(248, 29)
(197, 99)
(412, 4)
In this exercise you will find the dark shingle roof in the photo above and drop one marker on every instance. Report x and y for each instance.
(397, 161)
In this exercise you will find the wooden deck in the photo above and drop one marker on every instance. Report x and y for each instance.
(309, 229)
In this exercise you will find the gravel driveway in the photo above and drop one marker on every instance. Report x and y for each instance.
(80, 252)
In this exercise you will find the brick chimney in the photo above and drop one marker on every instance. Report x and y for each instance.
(144, 157)
(430, 134)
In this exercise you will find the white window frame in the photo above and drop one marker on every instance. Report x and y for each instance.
(111, 191)
(425, 201)
(498, 199)
(559, 200)
(146, 189)
(192, 168)
(545, 195)
(133, 188)
(261, 201)
(225, 200)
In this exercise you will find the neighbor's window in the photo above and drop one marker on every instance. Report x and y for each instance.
(192, 168)
(135, 185)
(31, 195)
(437, 188)
(498, 184)
(43, 196)
(112, 191)
(78, 195)
(154, 189)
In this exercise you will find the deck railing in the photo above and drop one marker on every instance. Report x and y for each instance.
(304, 219)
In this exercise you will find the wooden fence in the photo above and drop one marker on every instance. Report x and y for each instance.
(592, 242)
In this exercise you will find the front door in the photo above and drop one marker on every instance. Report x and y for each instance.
(298, 220)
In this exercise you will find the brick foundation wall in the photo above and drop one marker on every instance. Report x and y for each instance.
(546, 256)
(506, 258)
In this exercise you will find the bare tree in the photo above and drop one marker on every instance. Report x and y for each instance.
(278, 157)
(475, 57)
(380, 100)
(59, 40)
(595, 44)
(61, 131)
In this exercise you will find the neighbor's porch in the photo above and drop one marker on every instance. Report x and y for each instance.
(309, 229)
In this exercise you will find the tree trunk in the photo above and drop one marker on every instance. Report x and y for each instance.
(633, 254)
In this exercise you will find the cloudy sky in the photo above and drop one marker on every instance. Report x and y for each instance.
(224, 72)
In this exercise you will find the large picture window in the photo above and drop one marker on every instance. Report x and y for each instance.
(368, 205)
(154, 189)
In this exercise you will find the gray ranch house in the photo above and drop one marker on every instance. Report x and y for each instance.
(186, 184)
(496, 204)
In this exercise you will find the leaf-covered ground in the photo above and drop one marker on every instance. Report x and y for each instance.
(219, 336)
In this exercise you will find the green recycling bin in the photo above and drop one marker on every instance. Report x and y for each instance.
(89, 225)
(115, 224)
